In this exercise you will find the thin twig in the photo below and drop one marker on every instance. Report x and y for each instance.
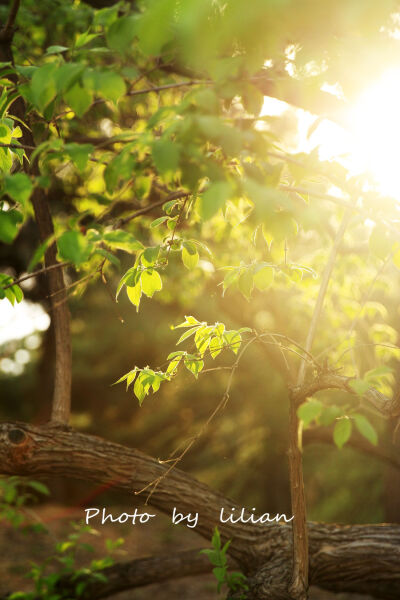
(322, 292)
(35, 274)
(146, 209)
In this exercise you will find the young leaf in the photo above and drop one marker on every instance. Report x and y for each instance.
(365, 428)
(216, 344)
(165, 155)
(190, 256)
(134, 294)
(309, 411)
(233, 340)
(263, 278)
(151, 282)
(79, 99)
(18, 187)
(122, 240)
(342, 432)
(193, 364)
(74, 247)
(214, 198)
(359, 386)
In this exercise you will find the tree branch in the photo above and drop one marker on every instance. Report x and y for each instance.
(35, 274)
(7, 33)
(387, 407)
(356, 558)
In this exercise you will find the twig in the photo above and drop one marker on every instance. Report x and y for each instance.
(146, 209)
(35, 274)
(174, 461)
(169, 86)
(322, 292)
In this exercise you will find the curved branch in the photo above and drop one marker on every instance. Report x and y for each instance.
(387, 407)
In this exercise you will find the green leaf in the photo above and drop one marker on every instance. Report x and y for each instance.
(202, 338)
(119, 168)
(110, 85)
(263, 278)
(216, 344)
(150, 256)
(342, 432)
(377, 373)
(190, 256)
(246, 283)
(155, 26)
(142, 385)
(187, 334)
(39, 487)
(359, 386)
(193, 364)
(134, 294)
(121, 34)
(365, 428)
(79, 99)
(189, 322)
(84, 38)
(230, 278)
(56, 50)
(79, 154)
(74, 246)
(18, 187)
(43, 85)
(158, 222)
(233, 340)
(10, 221)
(309, 411)
(165, 155)
(122, 240)
(214, 199)
(151, 282)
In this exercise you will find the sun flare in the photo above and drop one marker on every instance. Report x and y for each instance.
(375, 126)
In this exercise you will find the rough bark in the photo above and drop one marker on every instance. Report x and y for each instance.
(356, 558)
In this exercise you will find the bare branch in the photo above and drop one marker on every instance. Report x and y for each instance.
(35, 274)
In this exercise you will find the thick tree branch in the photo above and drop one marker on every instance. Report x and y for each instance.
(363, 558)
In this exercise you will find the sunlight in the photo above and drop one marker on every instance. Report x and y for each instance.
(375, 122)
(371, 143)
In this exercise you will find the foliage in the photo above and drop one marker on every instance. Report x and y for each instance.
(233, 581)
(15, 493)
